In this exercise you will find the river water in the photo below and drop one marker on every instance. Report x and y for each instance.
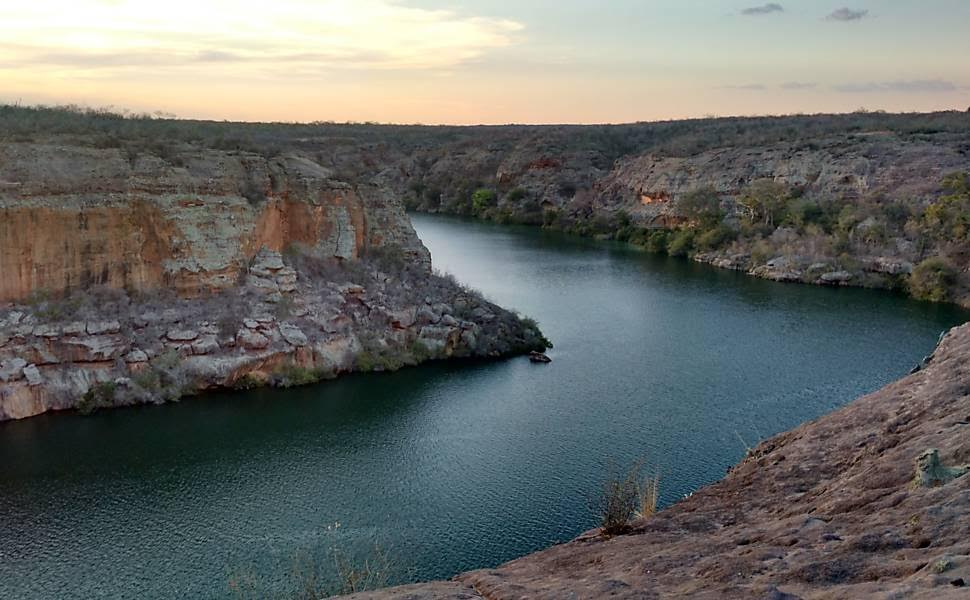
(452, 466)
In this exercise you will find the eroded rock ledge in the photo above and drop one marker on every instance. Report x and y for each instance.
(832, 509)
(292, 321)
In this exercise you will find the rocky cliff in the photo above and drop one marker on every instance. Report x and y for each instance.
(72, 217)
(128, 278)
(868, 502)
(861, 209)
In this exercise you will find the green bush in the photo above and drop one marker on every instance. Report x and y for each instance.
(716, 238)
(293, 375)
(681, 243)
(657, 241)
(247, 382)
(932, 280)
(517, 195)
(100, 395)
(483, 199)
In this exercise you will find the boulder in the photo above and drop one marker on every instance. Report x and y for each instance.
(182, 335)
(103, 327)
(94, 348)
(293, 335)
(252, 340)
(12, 369)
(47, 331)
(75, 329)
(205, 346)
(837, 277)
(33, 376)
(136, 357)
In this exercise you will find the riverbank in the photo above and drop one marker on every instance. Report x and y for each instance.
(841, 507)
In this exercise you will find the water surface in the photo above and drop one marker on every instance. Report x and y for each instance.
(454, 466)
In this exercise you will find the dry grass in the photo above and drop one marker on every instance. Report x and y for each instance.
(623, 499)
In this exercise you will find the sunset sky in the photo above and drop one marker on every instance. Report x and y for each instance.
(486, 61)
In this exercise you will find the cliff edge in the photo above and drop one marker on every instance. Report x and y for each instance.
(128, 277)
(870, 501)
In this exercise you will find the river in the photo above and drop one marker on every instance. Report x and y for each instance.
(447, 467)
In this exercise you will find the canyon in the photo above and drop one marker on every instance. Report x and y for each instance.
(145, 260)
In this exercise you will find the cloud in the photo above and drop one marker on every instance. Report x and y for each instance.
(799, 85)
(917, 86)
(765, 9)
(847, 14)
(745, 87)
(231, 36)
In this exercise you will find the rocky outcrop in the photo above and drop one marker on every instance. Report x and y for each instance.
(828, 510)
(281, 326)
(140, 275)
(73, 216)
(858, 202)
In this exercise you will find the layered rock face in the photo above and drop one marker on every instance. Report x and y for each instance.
(880, 166)
(282, 325)
(873, 194)
(72, 217)
(130, 279)
(868, 502)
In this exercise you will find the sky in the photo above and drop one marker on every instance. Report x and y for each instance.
(486, 61)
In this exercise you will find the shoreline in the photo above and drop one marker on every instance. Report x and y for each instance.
(839, 507)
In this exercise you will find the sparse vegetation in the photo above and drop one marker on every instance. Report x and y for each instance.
(932, 280)
(625, 498)
(314, 576)
(291, 374)
(100, 395)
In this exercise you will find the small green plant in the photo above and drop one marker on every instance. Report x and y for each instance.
(483, 199)
(99, 395)
(942, 566)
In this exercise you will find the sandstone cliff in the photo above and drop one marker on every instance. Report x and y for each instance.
(74, 216)
(128, 278)
(854, 505)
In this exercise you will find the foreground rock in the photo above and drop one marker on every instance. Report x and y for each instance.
(871, 501)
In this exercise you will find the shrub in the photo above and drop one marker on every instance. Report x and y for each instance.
(100, 395)
(715, 238)
(483, 199)
(657, 241)
(932, 279)
(247, 382)
(626, 498)
(702, 207)
(681, 243)
(294, 375)
(517, 195)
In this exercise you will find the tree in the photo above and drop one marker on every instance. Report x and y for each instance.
(764, 200)
(932, 280)
(701, 207)
(948, 219)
